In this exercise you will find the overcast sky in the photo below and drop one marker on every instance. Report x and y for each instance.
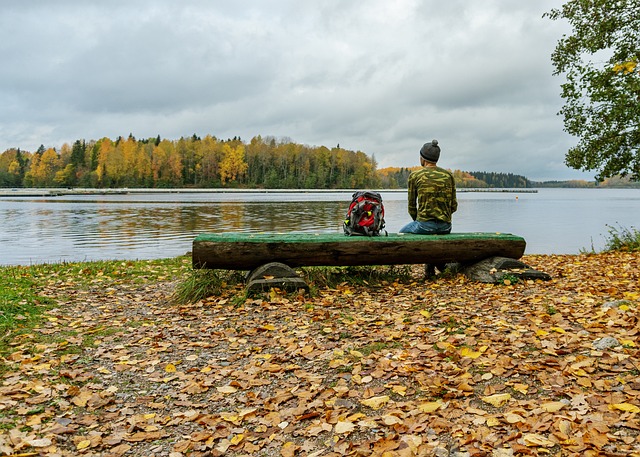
(378, 76)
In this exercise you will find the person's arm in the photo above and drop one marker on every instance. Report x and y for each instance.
(454, 199)
(412, 196)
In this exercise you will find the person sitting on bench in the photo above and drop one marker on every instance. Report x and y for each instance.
(432, 195)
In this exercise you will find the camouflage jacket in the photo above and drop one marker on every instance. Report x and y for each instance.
(432, 194)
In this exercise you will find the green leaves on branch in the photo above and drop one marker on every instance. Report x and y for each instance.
(599, 60)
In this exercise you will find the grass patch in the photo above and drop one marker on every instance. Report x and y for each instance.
(622, 239)
(379, 346)
(509, 280)
(20, 301)
(203, 283)
(23, 297)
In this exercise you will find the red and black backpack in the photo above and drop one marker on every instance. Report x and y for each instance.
(365, 215)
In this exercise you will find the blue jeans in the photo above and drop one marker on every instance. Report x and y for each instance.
(427, 228)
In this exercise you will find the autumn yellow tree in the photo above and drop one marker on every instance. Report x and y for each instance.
(233, 164)
(211, 152)
(166, 165)
(110, 163)
(43, 169)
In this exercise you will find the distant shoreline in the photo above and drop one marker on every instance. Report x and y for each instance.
(57, 192)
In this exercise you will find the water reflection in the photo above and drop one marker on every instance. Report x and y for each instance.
(163, 225)
(71, 231)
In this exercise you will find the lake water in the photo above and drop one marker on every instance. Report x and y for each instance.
(158, 225)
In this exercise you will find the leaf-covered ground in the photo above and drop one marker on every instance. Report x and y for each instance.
(444, 367)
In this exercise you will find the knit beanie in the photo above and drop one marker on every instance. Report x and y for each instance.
(430, 151)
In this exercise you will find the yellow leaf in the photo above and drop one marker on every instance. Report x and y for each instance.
(82, 398)
(565, 427)
(400, 390)
(236, 439)
(624, 307)
(492, 421)
(390, 420)
(355, 417)
(541, 333)
(443, 345)
(626, 407)
(628, 343)
(425, 313)
(230, 417)
(497, 400)
(357, 354)
(429, 407)
(170, 368)
(83, 444)
(376, 402)
(535, 439)
(468, 352)
(630, 66)
(513, 418)
(335, 363)
(308, 349)
(579, 372)
(343, 427)
(522, 388)
(558, 329)
(553, 406)
(269, 327)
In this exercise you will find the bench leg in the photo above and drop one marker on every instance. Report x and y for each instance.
(274, 274)
(431, 270)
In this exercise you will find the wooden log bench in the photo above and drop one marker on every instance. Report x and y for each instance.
(276, 254)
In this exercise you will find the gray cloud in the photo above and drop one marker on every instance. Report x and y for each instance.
(381, 77)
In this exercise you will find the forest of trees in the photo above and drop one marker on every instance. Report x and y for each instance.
(398, 177)
(188, 162)
(209, 162)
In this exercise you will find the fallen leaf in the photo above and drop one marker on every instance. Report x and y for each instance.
(83, 444)
(375, 402)
(390, 420)
(289, 449)
(535, 439)
(343, 427)
(236, 439)
(497, 400)
(626, 407)
(430, 407)
(553, 406)
(468, 352)
(226, 389)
